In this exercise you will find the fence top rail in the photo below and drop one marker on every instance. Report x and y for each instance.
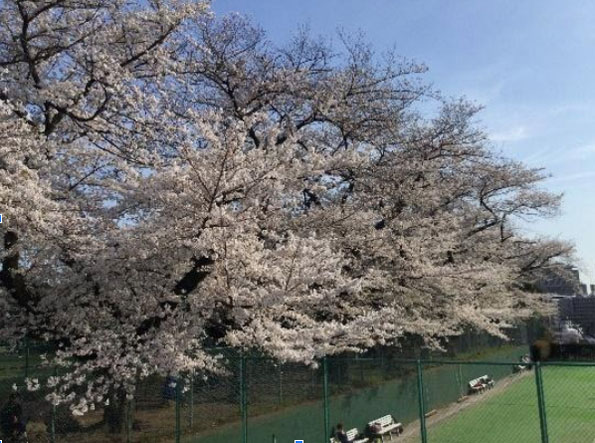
(493, 363)
(567, 363)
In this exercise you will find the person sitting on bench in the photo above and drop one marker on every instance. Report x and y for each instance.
(340, 434)
(12, 422)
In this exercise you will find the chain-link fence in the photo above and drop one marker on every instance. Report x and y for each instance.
(261, 401)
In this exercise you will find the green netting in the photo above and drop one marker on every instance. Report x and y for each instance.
(444, 384)
(569, 397)
(259, 400)
(284, 402)
(210, 410)
(506, 412)
(363, 390)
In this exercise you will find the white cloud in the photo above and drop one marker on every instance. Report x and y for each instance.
(515, 133)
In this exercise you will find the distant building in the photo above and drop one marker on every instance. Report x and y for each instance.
(574, 303)
(579, 310)
(566, 282)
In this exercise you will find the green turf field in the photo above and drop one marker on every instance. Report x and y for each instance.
(513, 416)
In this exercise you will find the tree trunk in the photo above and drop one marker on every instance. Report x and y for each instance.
(10, 278)
(115, 414)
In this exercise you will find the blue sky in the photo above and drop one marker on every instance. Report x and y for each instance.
(531, 63)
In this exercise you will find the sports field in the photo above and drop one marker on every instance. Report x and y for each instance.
(512, 415)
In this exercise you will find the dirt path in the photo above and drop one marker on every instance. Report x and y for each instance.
(412, 432)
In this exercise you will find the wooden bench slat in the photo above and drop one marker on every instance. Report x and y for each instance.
(352, 435)
(387, 425)
(480, 383)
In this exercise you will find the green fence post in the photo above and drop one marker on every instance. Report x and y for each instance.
(327, 429)
(53, 416)
(243, 399)
(422, 408)
(361, 370)
(128, 421)
(461, 383)
(27, 355)
(541, 403)
(280, 385)
(178, 430)
(53, 424)
(191, 421)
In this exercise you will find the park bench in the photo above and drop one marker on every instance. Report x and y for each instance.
(488, 381)
(480, 384)
(524, 365)
(385, 426)
(476, 385)
(352, 436)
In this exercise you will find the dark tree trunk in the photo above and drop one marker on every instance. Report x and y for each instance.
(115, 414)
(12, 281)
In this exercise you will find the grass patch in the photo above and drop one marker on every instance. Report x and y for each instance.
(513, 416)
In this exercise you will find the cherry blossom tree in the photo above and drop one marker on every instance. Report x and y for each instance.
(171, 181)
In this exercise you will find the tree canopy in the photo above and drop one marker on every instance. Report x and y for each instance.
(171, 181)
